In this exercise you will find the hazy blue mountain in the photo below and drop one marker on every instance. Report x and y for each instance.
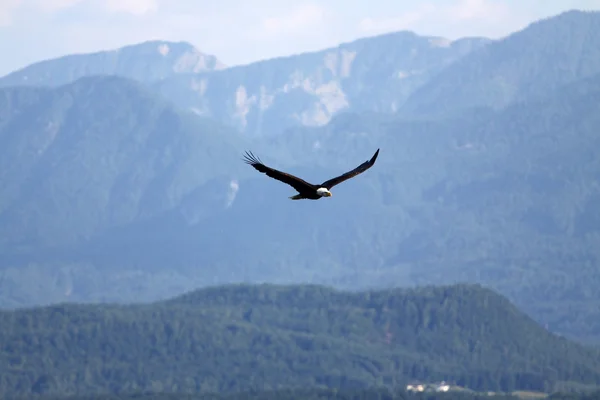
(147, 62)
(371, 74)
(376, 73)
(110, 194)
(396, 72)
(100, 152)
(540, 58)
(236, 338)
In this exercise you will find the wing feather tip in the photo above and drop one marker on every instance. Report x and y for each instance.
(374, 157)
(251, 159)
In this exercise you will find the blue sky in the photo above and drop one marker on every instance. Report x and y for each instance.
(239, 32)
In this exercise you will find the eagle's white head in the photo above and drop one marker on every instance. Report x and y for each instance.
(323, 192)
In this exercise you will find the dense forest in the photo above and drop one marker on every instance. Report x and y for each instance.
(323, 394)
(265, 337)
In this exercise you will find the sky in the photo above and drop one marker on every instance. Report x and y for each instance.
(243, 31)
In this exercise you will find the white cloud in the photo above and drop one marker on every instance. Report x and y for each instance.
(54, 5)
(6, 9)
(232, 193)
(405, 21)
(299, 20)
(135, 7)
(477, 9)
(428, 14)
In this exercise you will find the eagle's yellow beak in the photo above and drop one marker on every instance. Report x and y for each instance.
(329, 194)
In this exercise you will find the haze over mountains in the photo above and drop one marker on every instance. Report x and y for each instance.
(267, 97)
(145, 62)
(122, 179)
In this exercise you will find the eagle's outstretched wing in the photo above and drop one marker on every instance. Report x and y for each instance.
(295, 182)
(350, 174)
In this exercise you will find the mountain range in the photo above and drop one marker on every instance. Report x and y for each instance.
(122, 177)
(146, 62)
(267, 97)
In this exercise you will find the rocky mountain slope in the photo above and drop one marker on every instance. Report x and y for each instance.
(266, 97)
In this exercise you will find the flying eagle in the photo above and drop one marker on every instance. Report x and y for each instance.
(307, 190)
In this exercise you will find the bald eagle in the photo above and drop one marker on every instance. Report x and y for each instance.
(307, 190)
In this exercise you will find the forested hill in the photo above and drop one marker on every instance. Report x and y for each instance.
(237, 338)
(326, 394)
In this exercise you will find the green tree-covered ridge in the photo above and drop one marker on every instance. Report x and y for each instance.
(335, 394)
(266, 337)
